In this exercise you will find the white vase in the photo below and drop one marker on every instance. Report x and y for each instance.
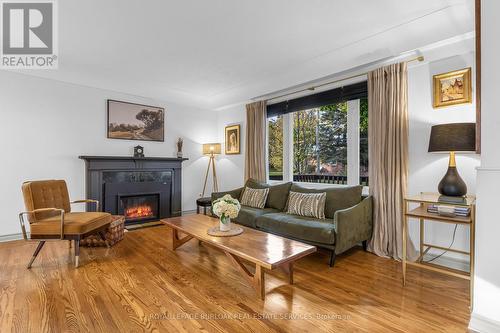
(225, 224)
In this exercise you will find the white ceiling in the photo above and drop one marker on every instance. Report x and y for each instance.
(214, 53)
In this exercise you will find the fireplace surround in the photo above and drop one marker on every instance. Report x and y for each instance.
(142, 189)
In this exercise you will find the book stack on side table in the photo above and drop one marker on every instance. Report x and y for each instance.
(449, 210)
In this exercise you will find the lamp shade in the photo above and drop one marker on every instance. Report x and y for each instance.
(457, 137)
(211, 148)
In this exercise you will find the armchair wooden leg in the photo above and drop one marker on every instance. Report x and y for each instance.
(35, 254)
(365, 245)
(77, 251)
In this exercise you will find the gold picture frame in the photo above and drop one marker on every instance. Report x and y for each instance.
(452, 88)
(232, 141)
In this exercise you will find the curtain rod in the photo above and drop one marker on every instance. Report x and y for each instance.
(419, 58)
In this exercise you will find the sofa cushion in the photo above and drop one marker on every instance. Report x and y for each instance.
(236, 194)
(248, 215)
(300, 227)
(307, 204)
(337, 198)
(74, 223)
(254, 197)
(278, 194)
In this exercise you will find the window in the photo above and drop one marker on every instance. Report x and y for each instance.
(325, 143)
(275, 150)
(363, 142)
(320, 144)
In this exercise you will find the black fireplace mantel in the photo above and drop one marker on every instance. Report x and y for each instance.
(174, 159)
(98, 168)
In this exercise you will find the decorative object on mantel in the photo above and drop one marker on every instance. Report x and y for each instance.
(452, 88)
(131, 121)
(452, 138)
(138, 151)
(226, 208)
(211, 149)
(232, 144)
(180, 142)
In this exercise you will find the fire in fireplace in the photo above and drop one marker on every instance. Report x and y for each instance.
(139, 211)
(139, 208)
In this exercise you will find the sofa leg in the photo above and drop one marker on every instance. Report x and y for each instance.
(38, 248)
(365, 244)
(332, 258)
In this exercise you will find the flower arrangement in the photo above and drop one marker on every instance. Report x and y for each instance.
(226, 208)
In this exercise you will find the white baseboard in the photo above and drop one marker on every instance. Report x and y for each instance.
(482, 324)
(12, 237)
(448, 261)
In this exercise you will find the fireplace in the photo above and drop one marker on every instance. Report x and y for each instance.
(142, 189)
(139, 208)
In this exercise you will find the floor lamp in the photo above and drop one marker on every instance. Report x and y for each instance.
(211, 149)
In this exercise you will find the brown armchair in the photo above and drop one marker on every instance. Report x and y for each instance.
(48, 211)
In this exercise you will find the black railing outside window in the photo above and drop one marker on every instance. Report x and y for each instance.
(321, 179)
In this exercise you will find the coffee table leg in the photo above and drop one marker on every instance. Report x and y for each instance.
(176, 241)
(288, 269)
(257, 280)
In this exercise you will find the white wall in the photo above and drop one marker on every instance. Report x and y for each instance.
(231, 168)
(427, 169)
(486, 314)
(47, 124)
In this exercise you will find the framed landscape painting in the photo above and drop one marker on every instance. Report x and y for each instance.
(452, 88)
(130, 121)
(232, 140)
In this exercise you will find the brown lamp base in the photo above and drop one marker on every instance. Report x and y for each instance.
(452, 184)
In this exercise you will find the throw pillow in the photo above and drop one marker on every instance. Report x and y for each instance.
(254, 197)
(337, 198)
(307, 204)
(278, 194)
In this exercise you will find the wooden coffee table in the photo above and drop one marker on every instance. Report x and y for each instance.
(266, 251)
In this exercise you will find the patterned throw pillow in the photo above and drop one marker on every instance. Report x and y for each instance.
(254, 197)
(307, 204)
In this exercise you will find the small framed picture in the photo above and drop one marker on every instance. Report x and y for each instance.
(452, 88)
(131, 121)
(232, 140)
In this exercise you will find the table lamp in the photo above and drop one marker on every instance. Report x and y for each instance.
(453, 138)
(211, 149)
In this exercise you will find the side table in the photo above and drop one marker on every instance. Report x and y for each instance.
(423, 200)
(205, 203)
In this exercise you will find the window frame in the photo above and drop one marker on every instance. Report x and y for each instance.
(353, 149)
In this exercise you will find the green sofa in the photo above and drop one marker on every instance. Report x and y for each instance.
(348, 216)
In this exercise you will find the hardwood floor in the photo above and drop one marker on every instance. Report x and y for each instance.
(140, 285)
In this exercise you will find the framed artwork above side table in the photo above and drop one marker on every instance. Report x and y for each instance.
(452, 88)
